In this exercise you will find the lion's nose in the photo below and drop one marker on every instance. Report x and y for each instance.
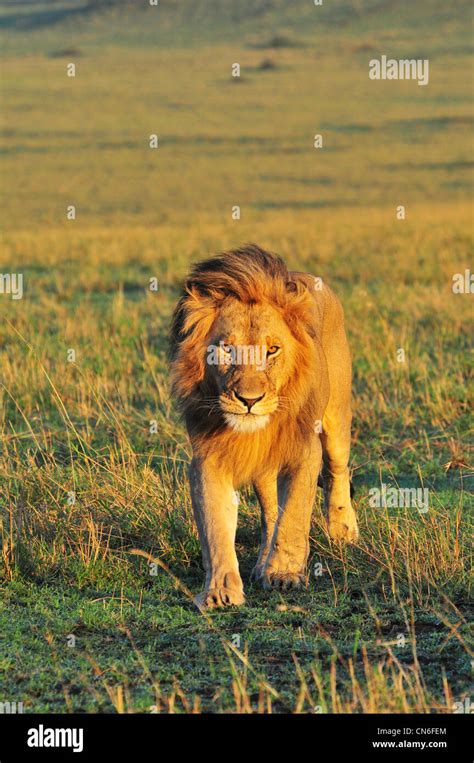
(249, 401)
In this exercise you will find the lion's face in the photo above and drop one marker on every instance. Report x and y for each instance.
(244, 349)
(250, 357)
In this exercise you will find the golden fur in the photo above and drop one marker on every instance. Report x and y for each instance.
(262, 424)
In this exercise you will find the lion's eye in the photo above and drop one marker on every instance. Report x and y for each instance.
(226, 347)
(273, 349)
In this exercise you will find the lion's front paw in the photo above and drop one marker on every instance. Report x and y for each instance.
(219, 597)
(343, 524)
(283, 581)
(223, 592)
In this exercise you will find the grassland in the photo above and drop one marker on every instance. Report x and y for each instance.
(85, 484)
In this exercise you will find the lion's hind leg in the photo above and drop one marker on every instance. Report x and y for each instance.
(335, 439)
(336, 435)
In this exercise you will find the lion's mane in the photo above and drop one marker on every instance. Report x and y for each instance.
(252, 276)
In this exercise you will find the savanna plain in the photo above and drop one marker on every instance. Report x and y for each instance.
(99, 553)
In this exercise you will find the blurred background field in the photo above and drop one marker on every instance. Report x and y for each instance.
(226, 141)
(385, 627)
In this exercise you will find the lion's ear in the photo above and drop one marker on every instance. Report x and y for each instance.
(197, 313)
(299, 310)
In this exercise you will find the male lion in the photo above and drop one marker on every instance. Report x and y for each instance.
(261, 366)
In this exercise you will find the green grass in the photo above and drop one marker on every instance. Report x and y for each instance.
(385, 627)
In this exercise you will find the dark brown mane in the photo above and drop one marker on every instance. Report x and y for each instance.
(249, 274)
